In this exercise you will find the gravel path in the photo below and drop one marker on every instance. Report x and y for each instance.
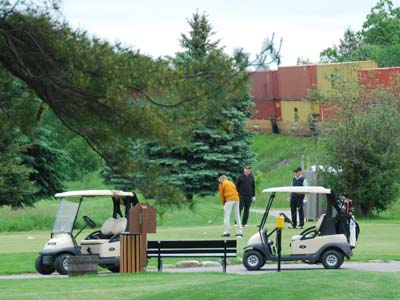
(391, 266)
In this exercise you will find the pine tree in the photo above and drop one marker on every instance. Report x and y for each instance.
(31, 160)
(15, 186)
(47, 160)
(219, 145)
(350, 42)
(198, 44)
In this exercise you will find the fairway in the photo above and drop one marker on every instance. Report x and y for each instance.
(315, 284)
(18, 251)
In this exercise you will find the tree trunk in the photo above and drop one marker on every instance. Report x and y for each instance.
(365, 211)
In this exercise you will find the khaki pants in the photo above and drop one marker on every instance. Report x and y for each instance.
(229, 205)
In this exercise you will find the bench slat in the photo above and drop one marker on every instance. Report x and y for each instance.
(187, 251)
(192, 248)
(192, 244)
(191, 255)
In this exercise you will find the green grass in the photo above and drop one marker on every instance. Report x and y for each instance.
(18, 250)
(277, 156)
(313, 284)
(24, 232)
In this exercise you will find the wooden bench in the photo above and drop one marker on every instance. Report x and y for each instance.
(192, 248)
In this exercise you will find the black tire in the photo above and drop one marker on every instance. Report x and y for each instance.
(60, 264)
(253, 260)
(114, 269)
(41, 268)
(332, 259)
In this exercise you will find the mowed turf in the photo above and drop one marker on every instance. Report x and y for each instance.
(377, 241)
(312, 284)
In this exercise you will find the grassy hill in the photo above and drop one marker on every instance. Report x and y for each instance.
(277, 156)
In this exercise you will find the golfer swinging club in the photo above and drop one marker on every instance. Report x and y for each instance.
(230, 200)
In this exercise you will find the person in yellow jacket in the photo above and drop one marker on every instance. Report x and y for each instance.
(230, 200)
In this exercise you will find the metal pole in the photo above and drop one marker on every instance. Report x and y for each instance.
(279, 244)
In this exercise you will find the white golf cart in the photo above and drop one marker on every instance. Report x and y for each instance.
(103, 242)
(328, 242)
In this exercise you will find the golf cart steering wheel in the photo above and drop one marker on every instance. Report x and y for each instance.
(89, 222)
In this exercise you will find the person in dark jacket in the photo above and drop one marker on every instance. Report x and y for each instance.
(247, 192)
(296, 200)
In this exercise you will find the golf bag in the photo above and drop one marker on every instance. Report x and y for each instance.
(344, 221)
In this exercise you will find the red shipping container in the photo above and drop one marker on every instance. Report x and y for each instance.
(264, 85)
(380, 78)
(295, 82)
(327, 111)
(264, 110)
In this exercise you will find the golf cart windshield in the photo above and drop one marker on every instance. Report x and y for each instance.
(66, 215)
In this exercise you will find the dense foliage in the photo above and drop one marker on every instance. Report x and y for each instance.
(363, 147)
(217, 146)
(378, 40)
(115, 97)
(30, 163)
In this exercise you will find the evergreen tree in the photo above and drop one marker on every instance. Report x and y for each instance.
(198, 44)
(47, 160)
(31, 166)
(15, 185)
(347, 49)
(218, 145)
(378, 40)
(349, 43)
(112, 96)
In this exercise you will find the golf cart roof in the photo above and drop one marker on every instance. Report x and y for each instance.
(94, 193)
(299, 189)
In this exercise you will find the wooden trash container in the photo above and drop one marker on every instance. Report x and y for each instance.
(82, 264)
(133, 249)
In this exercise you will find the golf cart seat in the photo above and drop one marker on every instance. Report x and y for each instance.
(110, 228)
(119, 226)
(314, 229)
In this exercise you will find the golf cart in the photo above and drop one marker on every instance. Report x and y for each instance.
(104, 242)
(331, 239)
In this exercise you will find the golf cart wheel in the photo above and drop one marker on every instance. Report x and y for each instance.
(61, 265)
(253, 260)
(41, 268)
(332, 259)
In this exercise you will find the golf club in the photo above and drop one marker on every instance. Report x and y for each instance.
(213, 219)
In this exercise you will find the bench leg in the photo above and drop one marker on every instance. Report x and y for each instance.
(159, 264)
(224, 260)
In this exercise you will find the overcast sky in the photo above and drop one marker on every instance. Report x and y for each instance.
(154, 27)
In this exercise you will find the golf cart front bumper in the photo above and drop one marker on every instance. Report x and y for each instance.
(49, 255)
